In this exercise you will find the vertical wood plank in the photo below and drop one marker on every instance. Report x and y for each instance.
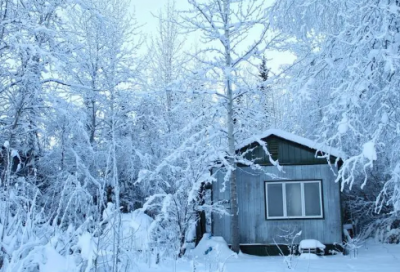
(253, 225)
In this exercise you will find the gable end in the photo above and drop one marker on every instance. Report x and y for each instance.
(287, 152)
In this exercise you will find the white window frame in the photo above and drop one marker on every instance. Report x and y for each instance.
(303, 204)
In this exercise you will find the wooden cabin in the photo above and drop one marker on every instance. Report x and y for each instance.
(276, 204)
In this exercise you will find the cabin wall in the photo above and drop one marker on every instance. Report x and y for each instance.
(253, 225)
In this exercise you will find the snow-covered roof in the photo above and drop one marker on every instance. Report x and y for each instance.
(293, 138)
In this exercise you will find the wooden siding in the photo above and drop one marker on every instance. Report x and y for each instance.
(253, 225)
(287, 152)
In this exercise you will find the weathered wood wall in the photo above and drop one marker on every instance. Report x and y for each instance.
(256, 229)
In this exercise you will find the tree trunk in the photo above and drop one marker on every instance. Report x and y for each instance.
(231, 136)
(232, 179)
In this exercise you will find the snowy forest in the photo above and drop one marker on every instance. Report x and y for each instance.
(109, 131)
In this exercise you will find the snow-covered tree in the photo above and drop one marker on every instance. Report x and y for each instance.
(233, 33)
(347, 67)
(68, 76)
(29, 46)
(166, 51)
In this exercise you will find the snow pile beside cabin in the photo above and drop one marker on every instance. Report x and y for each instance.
(212, 248)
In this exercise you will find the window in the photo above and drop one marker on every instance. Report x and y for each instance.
(294, 199)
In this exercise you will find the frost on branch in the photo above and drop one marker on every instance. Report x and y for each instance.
(369, 151)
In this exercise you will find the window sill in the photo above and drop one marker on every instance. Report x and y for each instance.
(296, 218)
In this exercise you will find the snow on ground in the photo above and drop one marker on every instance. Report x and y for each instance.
(371, 257)
(211, 248)
(135, 225)
(51, 261)
(308, 256)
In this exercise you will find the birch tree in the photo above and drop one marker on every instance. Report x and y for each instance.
(166, 50)
(233, 33)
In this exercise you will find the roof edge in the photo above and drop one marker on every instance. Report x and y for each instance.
(296, 139)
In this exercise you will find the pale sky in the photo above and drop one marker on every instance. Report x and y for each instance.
(145, 8)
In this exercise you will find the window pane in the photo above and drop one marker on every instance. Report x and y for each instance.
(293, 199)
(275, 201)
(312, 198)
